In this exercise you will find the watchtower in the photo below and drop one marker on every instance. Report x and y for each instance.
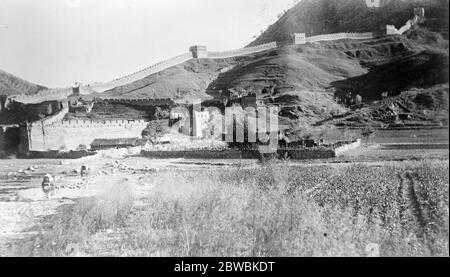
(198, 51)
(299, 38)
(76, 88)
(373, 3)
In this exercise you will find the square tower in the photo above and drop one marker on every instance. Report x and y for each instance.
(200, 123)
(198, 51)
(373, 3)
(299, 38)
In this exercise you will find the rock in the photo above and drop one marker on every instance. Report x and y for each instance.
(372, 250)
(72, 249)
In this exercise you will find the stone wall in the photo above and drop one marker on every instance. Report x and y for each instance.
(59, 155)
(202, 154)
(302, 39)
(138, 101)
(42, 96)
(53, 118)
(242, 51)
(101, 87)
(201, 52)
(57, 134)
(9, 139)
(294, 154)
(307, 153)
(419, 16)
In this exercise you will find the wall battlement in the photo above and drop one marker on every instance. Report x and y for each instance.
(201, 52)
(242, 51)
(419, 17)
(196, 52)
(42, 96)
(137, 101)
(76, 123)
(69, 134)
(54, 118)
(301, 38)
(101, 87)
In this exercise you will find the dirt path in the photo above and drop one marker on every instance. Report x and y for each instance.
(411, 210)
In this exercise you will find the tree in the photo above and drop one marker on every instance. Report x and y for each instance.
(161, 113)
(154, 131)
(367, 132)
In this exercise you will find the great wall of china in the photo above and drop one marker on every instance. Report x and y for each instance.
(55, 133)
(69, 134)
(201, 52)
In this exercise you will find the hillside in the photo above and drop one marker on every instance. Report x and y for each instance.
(189, 78)
(310, 81)
(306, 80)
(12, 85)
(315, 17)
(414, 107)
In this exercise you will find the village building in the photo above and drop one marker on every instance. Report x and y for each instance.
(102, 144)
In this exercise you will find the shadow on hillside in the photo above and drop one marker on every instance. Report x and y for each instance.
(421, 71)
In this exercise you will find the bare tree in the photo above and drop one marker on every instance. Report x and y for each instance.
(368, 132)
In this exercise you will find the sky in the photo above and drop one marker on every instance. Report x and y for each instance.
(55, 43)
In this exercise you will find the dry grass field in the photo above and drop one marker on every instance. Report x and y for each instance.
(275, 209)
(388, 198)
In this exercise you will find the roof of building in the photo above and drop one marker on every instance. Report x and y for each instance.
(116, 142)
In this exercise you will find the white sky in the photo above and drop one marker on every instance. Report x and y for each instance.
(57, 42)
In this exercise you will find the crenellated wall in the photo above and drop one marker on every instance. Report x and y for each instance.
(302, 39)
(57, 134)
(242, 51)
(138, 101)
(419, 16)
(194, 52)
(53, 118)
(101, 87)
(42, 96)
(201, 52)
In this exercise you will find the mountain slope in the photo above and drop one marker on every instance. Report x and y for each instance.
(309, 81)
(12, 85)
(315, 17)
